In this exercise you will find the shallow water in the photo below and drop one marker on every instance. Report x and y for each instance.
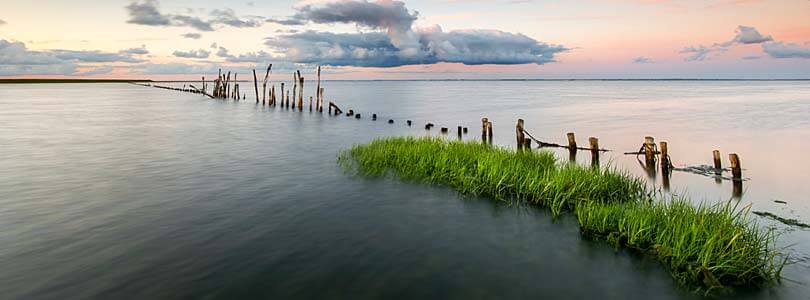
(120, 191)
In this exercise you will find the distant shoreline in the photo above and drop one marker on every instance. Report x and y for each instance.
(23, 80)
(71, 80)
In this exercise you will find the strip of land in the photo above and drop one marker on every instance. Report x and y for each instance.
(707, 247)
(2, 81)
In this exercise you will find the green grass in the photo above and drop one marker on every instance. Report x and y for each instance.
(705, 247)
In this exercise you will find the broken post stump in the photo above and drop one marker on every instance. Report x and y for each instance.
(736, 170)
(521, 137)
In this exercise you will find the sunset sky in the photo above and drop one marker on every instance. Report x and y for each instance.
(384, 39)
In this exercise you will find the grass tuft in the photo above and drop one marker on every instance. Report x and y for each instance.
(705, 246)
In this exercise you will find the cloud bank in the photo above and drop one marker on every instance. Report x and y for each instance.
(393, 40)
(147, 13)
(17, 59)
(201, 53)
(746, 35)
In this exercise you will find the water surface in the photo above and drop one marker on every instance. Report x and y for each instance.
(120, 191)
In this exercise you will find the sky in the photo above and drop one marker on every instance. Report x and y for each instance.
(409, 39)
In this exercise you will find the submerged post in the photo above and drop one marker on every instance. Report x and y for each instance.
(594, 151)
(718, 165)
(521, 137)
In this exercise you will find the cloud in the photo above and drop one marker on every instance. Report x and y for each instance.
(222, 52)
(192, 54)
(698, 53)
(2, 22)
(395, 42)
(642, 60)
(17, 59)
(193, 36)
(751, 57)
(786, 50)
(214, 45)
(228, 17)
(136, 51)
(146, 13)
(746, 35)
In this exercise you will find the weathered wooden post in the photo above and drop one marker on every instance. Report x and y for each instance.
(444, 130)
(521, 137)
(527, 144)
(465, 130)
(282, 94)
(649, 149)
(459, 132)
(310, 103)
(320, 105)
(594, 151)
(718, 165)
(390, 121)
(572, 146)
(409, 123)
(318, 91)
(665, 163)
(484, 122)
(736, 170)
(256, 86)
(300, 92)
(374, 117)
(489, 131)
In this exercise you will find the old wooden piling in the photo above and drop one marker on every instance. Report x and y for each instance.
(282, 94)
(320, 100)
(318, 91)
(300, 92)
(465, 130)
(665, 163)
(357, 116)
(484, 122)
(310, 103)
(521, 137)
(489, 131)
(256, 86)
(649, 149)
(444, 130)
(594, 142)
(736, 169)
(409, 123)
(374, 117)
(264, 82)
(718, 165)
(390, 121)
(527, 144)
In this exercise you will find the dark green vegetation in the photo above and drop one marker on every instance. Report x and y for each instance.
(68, 81)
(705, 247)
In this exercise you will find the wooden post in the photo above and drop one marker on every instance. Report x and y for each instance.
(300, 92)
(444, 130)
(390, 121)
(649, 149)
(310, 103)
(318, 91)
(374, 117)
(459, 132)
(409, 123)
(527, 144)
(484, 129)
(256, 86)
(489, 131)
(594, 151)
(282, 94)
(736, 170)
(718, 165)
(665, 163)
(320, 101)
(465, 130)
(572, 147)
(521, 137)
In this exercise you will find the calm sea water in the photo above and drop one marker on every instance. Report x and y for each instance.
(115, 191)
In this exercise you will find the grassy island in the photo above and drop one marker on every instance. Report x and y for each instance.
(706, 247)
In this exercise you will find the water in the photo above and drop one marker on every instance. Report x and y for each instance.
(115, 191)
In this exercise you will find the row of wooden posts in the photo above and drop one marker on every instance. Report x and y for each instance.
(648, 149)
(225, 88)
